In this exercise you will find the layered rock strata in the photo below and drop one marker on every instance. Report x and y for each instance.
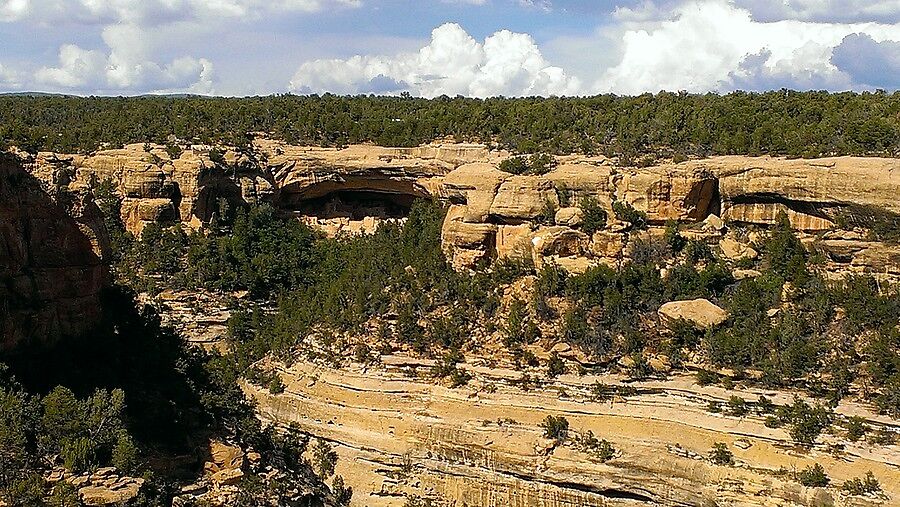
(483, 444)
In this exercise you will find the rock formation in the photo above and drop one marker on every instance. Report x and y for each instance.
(700, 312)
(400, 436)
(496, 214)
(52, 242)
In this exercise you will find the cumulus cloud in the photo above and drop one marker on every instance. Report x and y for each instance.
(506, 63)
(868, 62)
(127, 65)
(705, 45)
(9, 78)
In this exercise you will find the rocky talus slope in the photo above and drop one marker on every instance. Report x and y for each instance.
(482, 445)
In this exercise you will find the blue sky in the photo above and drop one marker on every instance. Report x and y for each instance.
(434, 47)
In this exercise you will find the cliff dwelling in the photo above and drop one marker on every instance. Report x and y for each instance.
(352, 206)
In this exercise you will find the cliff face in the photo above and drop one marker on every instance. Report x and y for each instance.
(495, 214)
(483, 445)
(833, 202)
(51, 246)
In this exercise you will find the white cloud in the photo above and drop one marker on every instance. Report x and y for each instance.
(9, 78)
(704, 45)
(127, 65)
(452, 63)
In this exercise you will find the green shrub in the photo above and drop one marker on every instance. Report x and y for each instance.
(813, 476)
(625, 212)
(556, 428)
(324, 458)
(601, 449)
(721, 455)
(555, 366)
(856, 428)
(866, 485)
(594, 217)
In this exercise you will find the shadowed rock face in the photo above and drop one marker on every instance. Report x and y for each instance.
(51, 272)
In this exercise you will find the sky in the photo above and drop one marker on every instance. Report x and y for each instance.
(476, 48)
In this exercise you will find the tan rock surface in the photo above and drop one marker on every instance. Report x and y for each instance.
(523, 197)
(478, 445)
(700, 312)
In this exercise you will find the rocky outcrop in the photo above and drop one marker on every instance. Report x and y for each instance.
(810, 191)
(482, 444)
(52, 245)
(104, 486)
(495, 214)
(743, 191)
(702, 313)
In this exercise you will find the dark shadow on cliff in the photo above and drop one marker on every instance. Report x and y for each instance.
(163, 379)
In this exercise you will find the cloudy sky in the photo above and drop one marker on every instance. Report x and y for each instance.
(433, 47)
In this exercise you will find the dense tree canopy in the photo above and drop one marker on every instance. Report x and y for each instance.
(806, 124)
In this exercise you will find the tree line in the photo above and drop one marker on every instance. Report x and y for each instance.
(638, 129)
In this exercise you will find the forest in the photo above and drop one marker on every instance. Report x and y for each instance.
(637, 129)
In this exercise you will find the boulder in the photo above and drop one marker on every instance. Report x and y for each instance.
(570, 217)
(700, 312)
(735, 250)
(119, 492)
(464, 243)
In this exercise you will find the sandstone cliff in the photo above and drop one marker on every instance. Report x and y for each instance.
(52, 241)
(401, 436)
(496, 214)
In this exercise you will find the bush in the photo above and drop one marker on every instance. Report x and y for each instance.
(721, 455)
(537, 164)
(593, 215)
(784, 254)
(601, 449)
(813, 476)
(556, 428)
(856, 428)
(857, 486)
(555, 366)
(737, 406)
(324, 459)
(625, 212)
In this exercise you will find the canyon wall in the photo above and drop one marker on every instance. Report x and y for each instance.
(400, 435)
(52, 245)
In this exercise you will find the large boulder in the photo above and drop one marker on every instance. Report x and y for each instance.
(466, 244)
(700, 312)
